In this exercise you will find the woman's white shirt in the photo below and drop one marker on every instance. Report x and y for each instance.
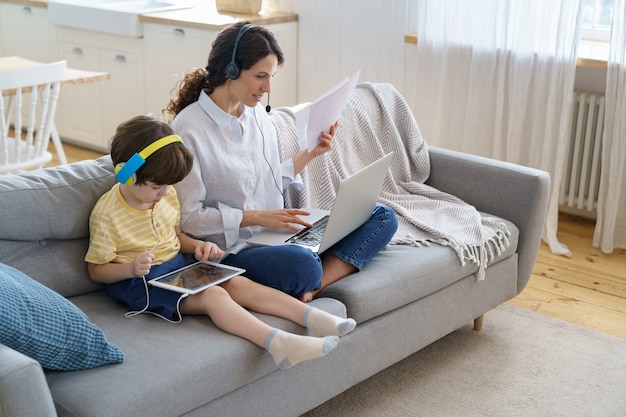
(236, 167)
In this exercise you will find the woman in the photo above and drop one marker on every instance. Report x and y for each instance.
(235, 188)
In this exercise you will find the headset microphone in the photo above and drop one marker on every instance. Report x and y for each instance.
(268, 108)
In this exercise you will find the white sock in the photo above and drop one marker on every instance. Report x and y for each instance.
(288, 349)
(322, 323)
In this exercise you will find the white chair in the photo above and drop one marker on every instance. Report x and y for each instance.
(30, 117)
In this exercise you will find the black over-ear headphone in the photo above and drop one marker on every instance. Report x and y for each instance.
(232, 70)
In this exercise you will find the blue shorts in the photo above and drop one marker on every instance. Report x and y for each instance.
(132, 292)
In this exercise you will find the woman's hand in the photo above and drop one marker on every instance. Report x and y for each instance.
(207, 250)
(326, 138)
(302, 158)
(283, 219)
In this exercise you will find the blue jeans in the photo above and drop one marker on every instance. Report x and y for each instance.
(296, 270)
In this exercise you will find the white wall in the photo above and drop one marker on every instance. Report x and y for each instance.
(337, 37)
(590, 79)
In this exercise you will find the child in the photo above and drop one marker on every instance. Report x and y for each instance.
(135, 236)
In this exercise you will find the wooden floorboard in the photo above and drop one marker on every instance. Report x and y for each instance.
(588, 289)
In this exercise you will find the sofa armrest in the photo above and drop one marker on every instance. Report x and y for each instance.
(23, 387)
(514, 192)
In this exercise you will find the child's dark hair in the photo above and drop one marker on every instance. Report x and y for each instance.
(166, 166)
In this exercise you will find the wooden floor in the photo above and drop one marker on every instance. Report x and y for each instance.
(588, 289)
(72, 153)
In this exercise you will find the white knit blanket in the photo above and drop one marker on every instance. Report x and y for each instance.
(376, 121)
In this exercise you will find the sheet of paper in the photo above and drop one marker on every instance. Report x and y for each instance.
(301, 113)
(317, 117)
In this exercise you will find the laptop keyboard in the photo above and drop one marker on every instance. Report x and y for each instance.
(312, 236)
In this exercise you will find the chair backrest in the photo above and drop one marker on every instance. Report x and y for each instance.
(27, 108)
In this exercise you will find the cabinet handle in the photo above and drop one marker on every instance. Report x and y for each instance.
(179, 32)
(27, 10)
(120, 58)
(77, 51)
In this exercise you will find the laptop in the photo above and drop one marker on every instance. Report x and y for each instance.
(196, 277)
(353, 206)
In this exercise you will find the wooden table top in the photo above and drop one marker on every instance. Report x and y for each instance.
(72, 76)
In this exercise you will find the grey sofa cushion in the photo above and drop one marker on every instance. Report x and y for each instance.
(401, 274)
(45, 222)
(46, 195)
(180, 362)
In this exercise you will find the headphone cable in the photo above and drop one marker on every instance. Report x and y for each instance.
(265, 156)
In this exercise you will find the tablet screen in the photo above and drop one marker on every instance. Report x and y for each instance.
(196, 277)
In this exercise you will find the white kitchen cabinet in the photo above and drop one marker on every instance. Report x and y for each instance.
(90, 113)
(26, 32)
(170, 51)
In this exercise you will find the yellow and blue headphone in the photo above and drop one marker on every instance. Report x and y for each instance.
(125, 172)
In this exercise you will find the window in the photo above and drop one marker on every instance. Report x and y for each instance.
(596, 19)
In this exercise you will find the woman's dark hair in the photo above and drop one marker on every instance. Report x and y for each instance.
(168, 165)
(255, 44)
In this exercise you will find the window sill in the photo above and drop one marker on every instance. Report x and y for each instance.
(591, 54)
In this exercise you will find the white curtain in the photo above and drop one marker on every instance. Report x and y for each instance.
(610, 232)
(496, 78)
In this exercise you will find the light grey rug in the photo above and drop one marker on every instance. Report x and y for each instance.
(520, 364)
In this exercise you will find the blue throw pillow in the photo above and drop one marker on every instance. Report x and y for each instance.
(42, 324)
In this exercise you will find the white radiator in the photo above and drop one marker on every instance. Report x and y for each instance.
(581, 179)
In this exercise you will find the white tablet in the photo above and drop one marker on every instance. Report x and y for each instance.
(196, 277)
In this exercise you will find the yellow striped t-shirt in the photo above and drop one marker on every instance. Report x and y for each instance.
(118, 232)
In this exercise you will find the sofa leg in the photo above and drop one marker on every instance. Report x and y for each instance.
(478, 322)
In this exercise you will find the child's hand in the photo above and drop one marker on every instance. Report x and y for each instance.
(142, 264)
(206, 250)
